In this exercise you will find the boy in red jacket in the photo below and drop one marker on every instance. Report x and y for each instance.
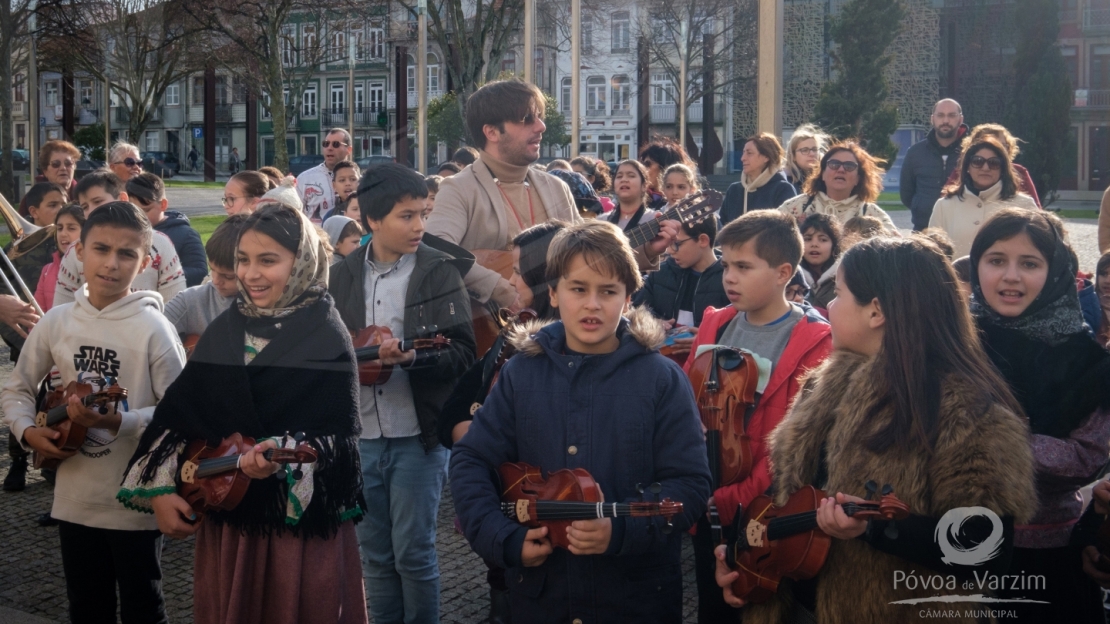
(760, 252)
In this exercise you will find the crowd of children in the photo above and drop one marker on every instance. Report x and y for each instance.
(964, 365)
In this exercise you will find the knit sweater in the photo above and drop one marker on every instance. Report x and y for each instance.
(802, 206)
(164, 275)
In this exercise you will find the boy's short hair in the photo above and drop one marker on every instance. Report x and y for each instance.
(432, 182)
(863, 227)
(777, 239)
(449, 166)
(498, 102)
(102, 178)
(147, 187)
(220, 248)
(122, 215)
(962, 266)
(39, 192)
(383, 187)
(351, 229)
(344, 164)
(604, 248)
(707, 226)
(464, 156)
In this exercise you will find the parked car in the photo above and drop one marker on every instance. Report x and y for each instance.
(304, 162)
(161, 164)
(369, 161)
(85, 165)
(21, 159)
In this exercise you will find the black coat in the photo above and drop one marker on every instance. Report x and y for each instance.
(436, 302)
(771, 195)
(186, 241)
(925, 169)
(663, 287)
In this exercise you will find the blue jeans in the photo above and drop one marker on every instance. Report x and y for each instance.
(397, 537)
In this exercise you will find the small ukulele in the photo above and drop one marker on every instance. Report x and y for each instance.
(56, 416)
(210, 475)
(771, 543)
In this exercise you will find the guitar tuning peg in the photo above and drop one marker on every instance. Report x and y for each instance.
(281, 474)
(298, 474)
(640, 488)
(299, 436)
(668, 528)
(656, 488)
(870, 486)
(888, 489)
(103, 409)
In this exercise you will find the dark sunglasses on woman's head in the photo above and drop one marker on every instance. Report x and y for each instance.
(993, 163)
(836, 165)
(335, 144)
(130, 162)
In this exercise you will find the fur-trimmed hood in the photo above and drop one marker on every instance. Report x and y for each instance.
(638, 326)
(982, 458)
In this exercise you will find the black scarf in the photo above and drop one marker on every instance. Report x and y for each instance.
(304, 380)
(1053, 366)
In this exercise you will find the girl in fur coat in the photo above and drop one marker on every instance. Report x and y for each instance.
(909, 399)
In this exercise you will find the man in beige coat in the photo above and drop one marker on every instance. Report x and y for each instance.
(491, 201)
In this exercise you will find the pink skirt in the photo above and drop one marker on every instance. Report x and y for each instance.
(249, 579)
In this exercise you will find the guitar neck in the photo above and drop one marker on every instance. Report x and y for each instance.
(794, 524)
(641, 234)
(573, 510)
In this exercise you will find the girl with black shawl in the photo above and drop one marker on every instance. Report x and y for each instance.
(1026, 305)
(278, 361)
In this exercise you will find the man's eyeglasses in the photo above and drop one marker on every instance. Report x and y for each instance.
(847, 165)
(130, 162)
(335, 144)
(677, 244)
(993, 163)
(806, 150)
(62, 164)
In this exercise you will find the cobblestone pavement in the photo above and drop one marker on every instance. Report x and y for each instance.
(31, 578)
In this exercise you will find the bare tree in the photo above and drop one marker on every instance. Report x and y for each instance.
(474, 35)
(14, 40)
(140, 47)
(674, 29)
(266, 43)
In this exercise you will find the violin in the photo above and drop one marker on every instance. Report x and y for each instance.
(210, 475)
(771, 543)
(371, 371)
(53, 414)
(564, 496)
(724, 381)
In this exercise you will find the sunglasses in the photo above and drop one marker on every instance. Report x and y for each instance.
(62, 164)
(335, 144)
(846, 166)
(993, 163)
(130, 162)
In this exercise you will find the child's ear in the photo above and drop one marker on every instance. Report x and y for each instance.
(165, 204)
(785, 274)
(80, 250)
(553, 296)
(875, 317)
(123, 196)
(703, 240)
(145, 263)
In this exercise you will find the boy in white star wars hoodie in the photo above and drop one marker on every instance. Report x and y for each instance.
(108, 332)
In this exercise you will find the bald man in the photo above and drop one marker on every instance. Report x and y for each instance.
(929, 162)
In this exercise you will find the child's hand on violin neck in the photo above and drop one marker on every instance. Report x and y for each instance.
(390, 353)
(832, 520)
(255, 465)
(590, 537)
(537, 546)
(90, 418)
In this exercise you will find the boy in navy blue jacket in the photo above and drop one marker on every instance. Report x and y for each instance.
(588, 391)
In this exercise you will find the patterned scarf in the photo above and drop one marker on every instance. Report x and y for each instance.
(1053, 316)
(307, 283)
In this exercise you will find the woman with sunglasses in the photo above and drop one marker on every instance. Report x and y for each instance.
(57, 161)
(987, 184)
(124, 160)
(847, 185)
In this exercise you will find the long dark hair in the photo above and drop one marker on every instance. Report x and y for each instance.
(533, 244)
(929, 338)
(1007, 174)
(829, 226)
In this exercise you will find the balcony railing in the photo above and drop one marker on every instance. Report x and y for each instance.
(1092, 98)
(333, 116)
(596, 112)
(1097, 20)
(666, 113)
(368, 115)
(19, 109)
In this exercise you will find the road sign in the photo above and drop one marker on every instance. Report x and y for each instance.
(198, 133)
(42, 121)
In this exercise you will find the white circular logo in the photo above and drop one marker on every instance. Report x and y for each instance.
(948, 534)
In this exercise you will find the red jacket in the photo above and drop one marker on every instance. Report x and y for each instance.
(810, 343)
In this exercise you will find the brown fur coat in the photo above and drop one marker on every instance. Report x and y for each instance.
(982, 458)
